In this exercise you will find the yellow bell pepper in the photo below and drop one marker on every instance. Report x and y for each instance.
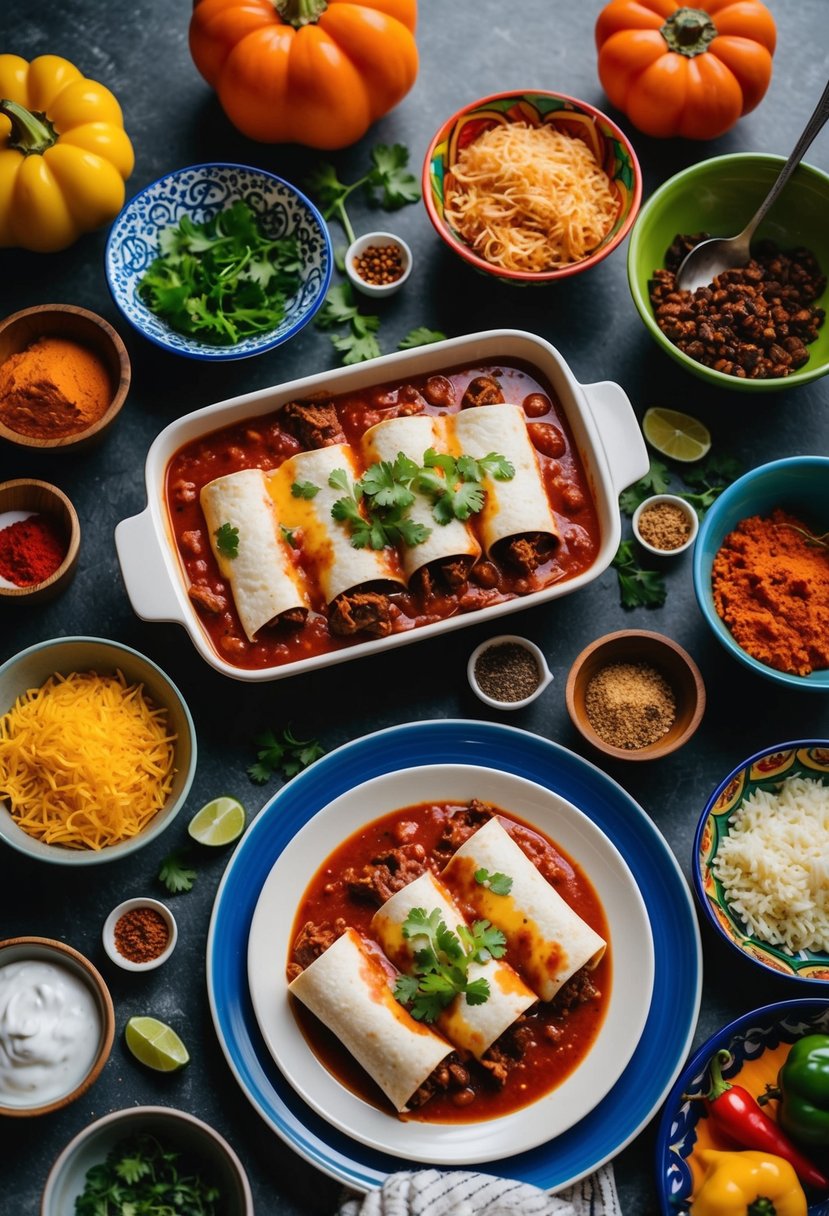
(747, 1184)
(64, 154)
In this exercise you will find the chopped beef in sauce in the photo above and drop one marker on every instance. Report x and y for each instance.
(294, 617)
(483, 390)
(360, 612)
(450, 1076)
(315, 424)
(527, 553)
(463, 824)
(206, 599)
(508, 1050)
(387, 873)
(312, 941)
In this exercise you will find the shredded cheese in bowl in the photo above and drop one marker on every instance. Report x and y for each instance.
(530, 198)
(86, 760)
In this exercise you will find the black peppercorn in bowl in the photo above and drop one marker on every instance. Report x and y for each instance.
(635, 695)
(507, 672)
(718, 197)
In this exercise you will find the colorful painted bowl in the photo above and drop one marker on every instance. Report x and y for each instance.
(759, 1043)
(764, 771)
(608, 143)
(200, 192)
(718, 196)
(799, 484)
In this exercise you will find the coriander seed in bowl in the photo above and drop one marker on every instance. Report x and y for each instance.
(665, 524)
(508, 672)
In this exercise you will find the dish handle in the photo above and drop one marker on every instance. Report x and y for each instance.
(624, 447)
(145, 575)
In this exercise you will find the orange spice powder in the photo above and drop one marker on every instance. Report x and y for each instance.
(771, 588)
(55, 387)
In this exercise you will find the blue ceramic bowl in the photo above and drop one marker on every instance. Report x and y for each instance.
(799, 484)
(759, 1042)
(764, 771)
(31, 668)
(201, 192)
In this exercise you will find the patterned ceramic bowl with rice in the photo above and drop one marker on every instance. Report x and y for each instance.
(760, 861)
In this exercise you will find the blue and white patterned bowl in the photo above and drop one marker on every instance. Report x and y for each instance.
(201, 192)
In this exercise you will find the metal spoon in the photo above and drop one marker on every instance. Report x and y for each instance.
(708, 259)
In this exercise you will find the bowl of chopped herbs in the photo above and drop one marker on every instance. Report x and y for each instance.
(219, 261)
(151, 1159)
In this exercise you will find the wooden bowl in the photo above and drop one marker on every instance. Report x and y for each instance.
(78, 324)
(657, 651)
(41, 498)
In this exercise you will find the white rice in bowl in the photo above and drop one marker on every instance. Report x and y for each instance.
(774, 865)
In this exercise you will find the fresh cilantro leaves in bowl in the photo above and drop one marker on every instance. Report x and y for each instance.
(219, 261)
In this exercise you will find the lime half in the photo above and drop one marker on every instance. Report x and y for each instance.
(220, 821)
(155, 1044)
(676, 435)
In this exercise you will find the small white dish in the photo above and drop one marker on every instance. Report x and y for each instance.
(676, 501)
(379, 240)
(545, 676)
(129, 905)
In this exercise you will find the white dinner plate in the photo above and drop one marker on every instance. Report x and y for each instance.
(631, 952)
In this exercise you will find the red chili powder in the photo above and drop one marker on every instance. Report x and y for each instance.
(30, 550)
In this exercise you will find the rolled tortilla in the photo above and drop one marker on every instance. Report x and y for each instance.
(347, 988)
(547, 942)
(337, 565)
(471, 1028)
(263, 578)
(516, 507)
(413, 436)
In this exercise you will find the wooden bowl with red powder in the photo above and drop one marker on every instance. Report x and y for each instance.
(64, 376)
(40, 539)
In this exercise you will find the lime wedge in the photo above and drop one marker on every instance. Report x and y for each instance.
(676, 435)
(155, 1044)
(220, 821)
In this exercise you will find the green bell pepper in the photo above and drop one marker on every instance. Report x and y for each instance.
(803, 1090)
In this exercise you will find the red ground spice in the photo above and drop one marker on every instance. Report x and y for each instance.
(30, 550)
(141, 935)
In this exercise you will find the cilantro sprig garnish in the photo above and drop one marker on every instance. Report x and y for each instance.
(387, 499)
(227, 540)
(304, 489)
(223, 280)
(497, 883)
(638, 587)
(441, 963)
(387, 184)
(454, 484)
(176, 875)
(283, 754)
(142, 1175)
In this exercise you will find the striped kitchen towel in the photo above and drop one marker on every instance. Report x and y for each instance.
(434, 1193)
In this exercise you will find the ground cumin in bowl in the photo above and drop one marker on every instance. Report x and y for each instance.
(635, 695)
(64, 376)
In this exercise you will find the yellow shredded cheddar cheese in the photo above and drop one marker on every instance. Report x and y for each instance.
(530, 198)
(85, 760)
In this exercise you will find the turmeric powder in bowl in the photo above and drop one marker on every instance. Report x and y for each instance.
(53, 388)
(770, 583)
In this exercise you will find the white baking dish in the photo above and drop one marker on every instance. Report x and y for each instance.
(601, 420)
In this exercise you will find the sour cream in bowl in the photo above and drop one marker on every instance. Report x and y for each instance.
(56, 1025)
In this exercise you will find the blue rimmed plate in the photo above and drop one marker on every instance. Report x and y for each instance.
(758, 1042)
(677, 982)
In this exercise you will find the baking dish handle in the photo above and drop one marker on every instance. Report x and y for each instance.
(627, 456)
(142, 568)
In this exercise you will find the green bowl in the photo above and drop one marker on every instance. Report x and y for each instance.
(719, 196)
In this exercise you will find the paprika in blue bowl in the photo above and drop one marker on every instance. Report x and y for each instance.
(740, 1095)
(40, 539)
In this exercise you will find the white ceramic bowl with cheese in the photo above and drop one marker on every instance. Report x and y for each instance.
(599, 416)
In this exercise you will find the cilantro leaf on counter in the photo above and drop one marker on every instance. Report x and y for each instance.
(284, 754)
(360, 344)
(421, 336)
(176, 875)
(638, 587)
(497, 883)
(441, 963)
(709, 479)
(227, 540)
(339, 307)
(655, 481)
(223, 280)
(388, 175)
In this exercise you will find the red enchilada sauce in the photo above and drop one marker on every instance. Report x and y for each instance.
(265, 442)
(542, 1047)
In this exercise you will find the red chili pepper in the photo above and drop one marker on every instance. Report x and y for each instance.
(737, 1115)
